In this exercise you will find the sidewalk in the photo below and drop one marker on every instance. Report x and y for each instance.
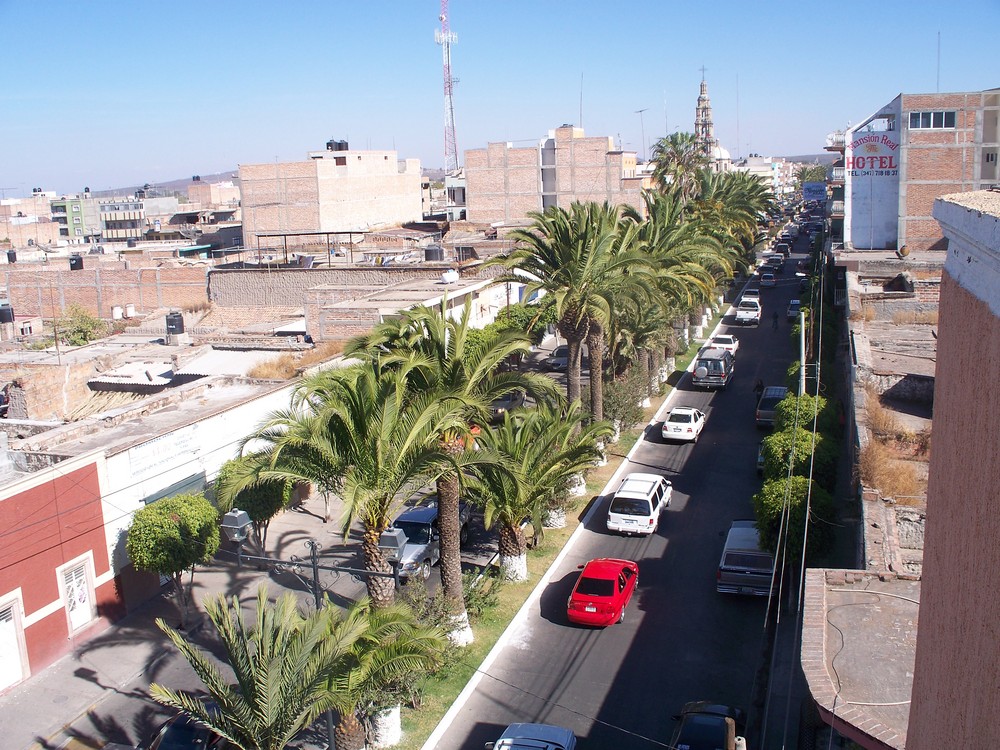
(125, 658)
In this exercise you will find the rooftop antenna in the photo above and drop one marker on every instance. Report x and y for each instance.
(738, 154)
(642, 125)
(581, 100)
(445, 38)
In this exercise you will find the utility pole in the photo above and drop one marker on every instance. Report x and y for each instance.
(642, 125)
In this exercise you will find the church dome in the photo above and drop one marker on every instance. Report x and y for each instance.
(720, 154)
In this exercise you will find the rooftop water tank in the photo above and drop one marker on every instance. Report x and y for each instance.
(175, 323)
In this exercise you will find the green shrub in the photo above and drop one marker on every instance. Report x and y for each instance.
(623, 398)
(778, 447)
(768, 504)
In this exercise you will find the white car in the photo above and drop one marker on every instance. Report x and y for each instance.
(725, 341)
(683, 423)
(767, 280)
(751, 293)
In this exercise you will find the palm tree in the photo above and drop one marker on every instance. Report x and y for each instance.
(363, 432)
(391, 650)
(729, 206)
(544, 449)
(282, 663)
(677, 160)
(449, 364)
(575, 256)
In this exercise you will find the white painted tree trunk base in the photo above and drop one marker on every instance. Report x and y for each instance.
(602, 461)
(555, 518)
(645, 403)
(578, 486)
(514, 567)
(387, 728)
(460, 633)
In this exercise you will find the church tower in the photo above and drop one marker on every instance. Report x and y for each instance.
(704, 131)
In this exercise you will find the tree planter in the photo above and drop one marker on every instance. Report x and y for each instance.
(578, 486)
(387, 728)
(514, 567)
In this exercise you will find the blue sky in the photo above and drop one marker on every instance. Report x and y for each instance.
(108, 94)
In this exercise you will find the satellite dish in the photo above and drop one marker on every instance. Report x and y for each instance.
(701, 372)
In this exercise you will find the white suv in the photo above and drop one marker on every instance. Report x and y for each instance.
(636, 506)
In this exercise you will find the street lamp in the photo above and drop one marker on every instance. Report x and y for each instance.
(236, 525)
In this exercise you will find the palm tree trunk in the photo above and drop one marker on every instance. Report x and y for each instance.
(512, 548)
(595, 348)
(381, 589)
(349, 734)
(573, 369)
(449, 526)
(647, 385)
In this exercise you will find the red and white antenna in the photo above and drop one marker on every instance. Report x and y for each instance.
(445, 38)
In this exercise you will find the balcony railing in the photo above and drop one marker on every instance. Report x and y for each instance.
(837, 174)
(836, 141)
(836, 208)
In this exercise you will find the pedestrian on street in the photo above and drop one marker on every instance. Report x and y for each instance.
(758, 388)
(774, 320)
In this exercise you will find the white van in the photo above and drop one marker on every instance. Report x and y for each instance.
(636, 506)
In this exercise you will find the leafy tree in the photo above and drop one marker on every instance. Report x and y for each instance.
(802, 409)
(78, 327)
(779, 446)
(171, 536)
(530, 319)
(262, 500)
(282, 661)
(769, 505)
(624, 397)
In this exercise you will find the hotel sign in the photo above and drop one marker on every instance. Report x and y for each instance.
(873, 154)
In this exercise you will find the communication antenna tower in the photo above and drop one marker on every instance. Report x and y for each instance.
(445, 38)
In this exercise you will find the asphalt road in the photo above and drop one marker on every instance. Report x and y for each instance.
(681, 641)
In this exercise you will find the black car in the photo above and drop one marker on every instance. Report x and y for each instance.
(184, 733)
(704, 725)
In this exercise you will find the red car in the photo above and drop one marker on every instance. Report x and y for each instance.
(602, 592)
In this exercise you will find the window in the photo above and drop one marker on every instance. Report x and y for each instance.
(76, 209)
(991, 158)
(932, 120)
(76, 219)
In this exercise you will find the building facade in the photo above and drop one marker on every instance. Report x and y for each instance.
(955, 680)
(337, 190)
(900, 159)
(78, 218)
(504, 183)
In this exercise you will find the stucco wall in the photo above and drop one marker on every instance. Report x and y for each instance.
(958, 647)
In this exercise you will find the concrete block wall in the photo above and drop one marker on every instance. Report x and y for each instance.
(48, 290)
(46, 391)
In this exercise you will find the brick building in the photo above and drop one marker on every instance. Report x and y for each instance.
(504, 183)
(337, 190)
(897, 161)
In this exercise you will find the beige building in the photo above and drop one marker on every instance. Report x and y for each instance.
(504, 183)
(214, 194)
(337, 190)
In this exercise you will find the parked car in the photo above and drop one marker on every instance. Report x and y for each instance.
(505, 403)
(744, 567)
(184, 733)
(704, 725)
(534, 737)
(767, 280)
(637, 504)
(794, 307)
(602, 592)
(423, 538)
(752, 292)
(769, 400)
(725, 341)
(782, 248)
(713, 368)
(683, 423)
(558, 361)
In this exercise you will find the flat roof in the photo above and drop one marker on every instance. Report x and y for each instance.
(859, 637)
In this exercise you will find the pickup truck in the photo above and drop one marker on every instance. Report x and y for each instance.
(748, 312)
(423, 537)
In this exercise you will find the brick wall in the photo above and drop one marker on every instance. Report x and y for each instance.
(47, 290)
(46, 391)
